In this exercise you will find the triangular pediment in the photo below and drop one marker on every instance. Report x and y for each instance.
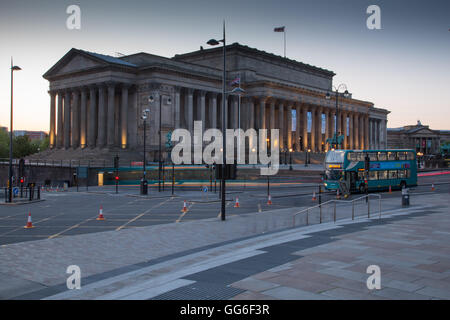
(74, 61)
(423, 132)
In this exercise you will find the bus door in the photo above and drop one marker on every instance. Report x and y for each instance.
(351, 176)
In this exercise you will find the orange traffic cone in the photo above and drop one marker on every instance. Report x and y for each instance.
(100, 214)
(390, 189)
(236, 205)
(432, 187)
(29, 222)
(269, 201)
(184, 207)
(314, 196)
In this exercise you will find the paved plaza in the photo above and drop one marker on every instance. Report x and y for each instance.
(250, 256)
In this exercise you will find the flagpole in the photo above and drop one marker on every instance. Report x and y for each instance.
(284, 42)
(239, 121)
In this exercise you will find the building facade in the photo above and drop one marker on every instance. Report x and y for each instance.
(96, 101)
(418, 137)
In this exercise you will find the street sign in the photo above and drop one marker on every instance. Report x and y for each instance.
(205, 189)
(82, 172)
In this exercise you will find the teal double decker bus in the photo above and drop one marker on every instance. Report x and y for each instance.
(387, 168)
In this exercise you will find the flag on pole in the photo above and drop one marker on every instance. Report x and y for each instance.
(282, 29)
(237, 80)
(279, 29)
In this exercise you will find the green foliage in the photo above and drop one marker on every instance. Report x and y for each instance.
(4, 144)
(22, 146)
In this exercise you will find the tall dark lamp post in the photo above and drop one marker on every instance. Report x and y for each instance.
(290, 159)
(169, 101)
(214, 42)
(328, 97)
(13, 68)
(144, 185)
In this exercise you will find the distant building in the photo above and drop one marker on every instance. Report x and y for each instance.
(418, 137)
(33, 135)
(4, 129)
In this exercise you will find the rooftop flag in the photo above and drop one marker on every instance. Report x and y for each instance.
(282, 29)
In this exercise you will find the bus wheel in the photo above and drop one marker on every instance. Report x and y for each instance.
(362, 188)
(402, 185)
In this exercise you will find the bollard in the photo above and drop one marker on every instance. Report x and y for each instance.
(405, 197)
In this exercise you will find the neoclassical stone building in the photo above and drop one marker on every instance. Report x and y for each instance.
(96, 101)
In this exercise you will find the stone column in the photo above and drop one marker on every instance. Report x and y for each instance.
(52, 135)
(344, 129)
(289, 126)
(305, 127)
(76, 120)
(203, 109)
(83, 116)
(313, 129)
(67, 119)
(190, 110)
(271, 121)
(350, 130)
(262, 113)
(110, 128)
(356, 130)
(281, 125)
(101, 136)
(319, 129)
(92, 120)
(177, 108)
(366, 126)
(213, 109)
(251, 114)
(297, 131)
(124, 116)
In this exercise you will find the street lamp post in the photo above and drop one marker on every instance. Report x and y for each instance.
(290, 159)
(13, 68)
(169, 101)
(214, 42)
(144, 189)
(328, 97)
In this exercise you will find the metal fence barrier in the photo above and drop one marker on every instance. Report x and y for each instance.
(24, 193)
(334, 210)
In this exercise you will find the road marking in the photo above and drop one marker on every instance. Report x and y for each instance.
(142, 214)
(34, 223)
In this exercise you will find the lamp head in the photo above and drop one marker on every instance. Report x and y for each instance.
(346, 94)
(213, 42)
(328, 96)
(151, 99)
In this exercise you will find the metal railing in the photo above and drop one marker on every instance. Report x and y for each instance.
(23, 193)
(328, 211)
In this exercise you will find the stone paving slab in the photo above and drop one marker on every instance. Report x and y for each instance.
(325, 263)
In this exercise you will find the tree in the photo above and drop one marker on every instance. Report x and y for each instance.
(4, 144)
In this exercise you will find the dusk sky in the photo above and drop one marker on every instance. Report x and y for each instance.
(404, 67)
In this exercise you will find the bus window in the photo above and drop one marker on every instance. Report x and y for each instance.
(410, 155)
(392, 174)
(401, 174)
(408, 173)
(382, 156)
(373, 157)
(373, 175)
(391, 156)
(401, 155)
(382, 175)
(360, 156)
(352, 156)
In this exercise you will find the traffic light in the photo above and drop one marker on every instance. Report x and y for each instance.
(22, 180)
(367, 163)
(117, 178)
(116, 162)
